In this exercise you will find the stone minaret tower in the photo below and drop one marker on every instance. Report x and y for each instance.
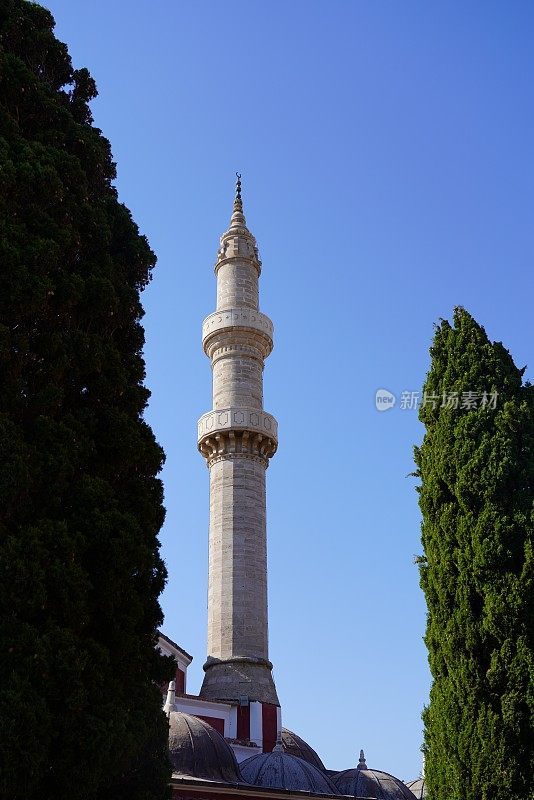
(237, 439)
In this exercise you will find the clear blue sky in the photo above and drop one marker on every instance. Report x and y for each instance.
(387, 158)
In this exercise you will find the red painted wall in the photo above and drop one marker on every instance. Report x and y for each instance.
(245, 792)
(188, 793)
(180, 681)
(243, 722)
(215, 722)
(268, 715)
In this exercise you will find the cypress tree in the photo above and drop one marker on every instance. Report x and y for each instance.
(80, 501)
(476, 466)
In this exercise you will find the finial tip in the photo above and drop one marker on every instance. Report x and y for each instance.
(238, 205)
(238, 186)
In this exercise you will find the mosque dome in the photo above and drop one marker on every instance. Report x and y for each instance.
(279, 770)
(418, 787)
(296, 746)
(198, 750)
(364, 782)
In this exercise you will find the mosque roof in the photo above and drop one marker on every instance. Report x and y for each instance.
(363, 782)
(198, 750)
(176, 646)
(418, 788)
(280, 770)
(296, 746)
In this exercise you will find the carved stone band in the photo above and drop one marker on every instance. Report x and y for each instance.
(230, 444)
(238, 419)
(246, 318)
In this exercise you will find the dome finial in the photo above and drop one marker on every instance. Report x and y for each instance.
(169, 702)
(238, 203)
(238, 218)
(361, 763)
(278, 748)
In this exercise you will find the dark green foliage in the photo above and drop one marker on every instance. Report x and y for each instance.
(476, 496)
(80, 503)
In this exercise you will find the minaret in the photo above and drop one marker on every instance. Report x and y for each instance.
(237, 439)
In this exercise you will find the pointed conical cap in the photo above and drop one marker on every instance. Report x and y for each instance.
(238, 218)
(238, 241)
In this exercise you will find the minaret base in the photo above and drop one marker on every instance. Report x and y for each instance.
(235, 678)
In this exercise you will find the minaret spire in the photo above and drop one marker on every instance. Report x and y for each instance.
(238, 203)
(237, 438)
(238, 218)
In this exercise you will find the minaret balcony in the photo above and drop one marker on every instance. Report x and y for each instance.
(228, 444)
(246, 320)
(237, 419)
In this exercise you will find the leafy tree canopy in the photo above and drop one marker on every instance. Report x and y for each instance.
(476, 465)
(80, 501)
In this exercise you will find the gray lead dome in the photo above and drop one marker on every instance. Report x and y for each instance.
(198, 750)
(279, 770)
(418, 788)
(296, 746)
(371, 783)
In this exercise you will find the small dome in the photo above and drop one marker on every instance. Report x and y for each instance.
(364, 782)
(295, 746)
(279, 770)
(418, 788)
(198, 750)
